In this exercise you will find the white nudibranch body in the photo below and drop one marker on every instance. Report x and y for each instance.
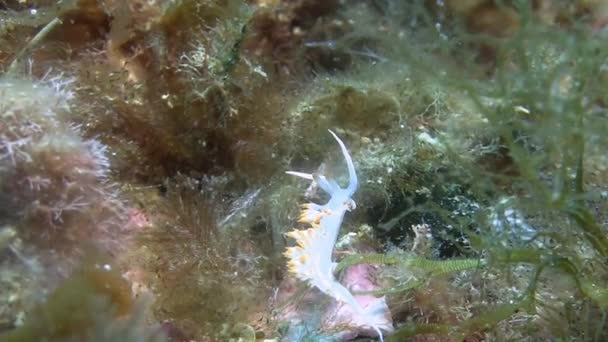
(311, 259)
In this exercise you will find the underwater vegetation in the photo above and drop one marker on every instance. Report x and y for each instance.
(81, 307)
(157, 134)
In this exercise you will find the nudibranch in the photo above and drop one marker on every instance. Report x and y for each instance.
(311, 259)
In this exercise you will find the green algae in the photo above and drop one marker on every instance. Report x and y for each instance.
(88, 305)
(451, 123)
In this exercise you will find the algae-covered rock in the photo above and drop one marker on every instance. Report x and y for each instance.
(86, 306)
(54, 181)
(477, 129)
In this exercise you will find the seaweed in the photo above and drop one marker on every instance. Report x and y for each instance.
(544, 106)
(206, 279)
(95, 303)
(477, 129)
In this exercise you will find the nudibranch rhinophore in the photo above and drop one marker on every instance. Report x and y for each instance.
(311, 259)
